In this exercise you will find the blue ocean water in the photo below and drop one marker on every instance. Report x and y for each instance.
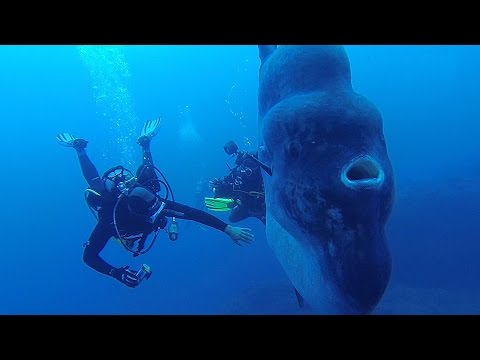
(206, 95)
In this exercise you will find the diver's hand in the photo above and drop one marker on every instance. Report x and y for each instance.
(238, 234)
(213, 183)
(126, 276)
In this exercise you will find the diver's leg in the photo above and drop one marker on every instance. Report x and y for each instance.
(147, 158)
(149, 130)
(238, 213)
(260, 211)
(89, 171)
(263, 219)
(146, 173)
(260, 217)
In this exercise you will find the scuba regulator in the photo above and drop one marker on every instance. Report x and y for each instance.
(117, 180)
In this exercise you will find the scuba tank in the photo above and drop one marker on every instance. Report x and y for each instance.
(173, 230)
(120, 183)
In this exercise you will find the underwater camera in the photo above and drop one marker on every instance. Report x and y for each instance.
(144, 273)
(230, 148)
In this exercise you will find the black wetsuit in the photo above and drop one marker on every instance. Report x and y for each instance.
(244, 183)
(130, 224)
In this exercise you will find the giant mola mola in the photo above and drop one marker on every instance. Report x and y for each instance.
(330, 188)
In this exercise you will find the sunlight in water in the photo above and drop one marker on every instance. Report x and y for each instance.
(187, 132)
(236, 99)
(110, 78)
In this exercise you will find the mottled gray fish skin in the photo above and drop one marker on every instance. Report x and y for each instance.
(331, 191)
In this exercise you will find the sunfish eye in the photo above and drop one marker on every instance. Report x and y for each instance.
(294, 148)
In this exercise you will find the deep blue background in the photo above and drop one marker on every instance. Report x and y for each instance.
(206, 95)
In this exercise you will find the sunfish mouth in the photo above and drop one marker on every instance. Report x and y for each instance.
(362, 172)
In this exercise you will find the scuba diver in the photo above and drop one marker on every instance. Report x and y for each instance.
(200, 191)
(129, 208)
(241, 191)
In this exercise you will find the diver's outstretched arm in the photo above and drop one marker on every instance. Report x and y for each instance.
(182, 211)
(95, 244)
(91, 256)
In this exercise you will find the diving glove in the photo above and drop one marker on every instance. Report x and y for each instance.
(129, 277)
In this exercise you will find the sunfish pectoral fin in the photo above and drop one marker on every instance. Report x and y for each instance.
(300, 300)
(264, 51)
